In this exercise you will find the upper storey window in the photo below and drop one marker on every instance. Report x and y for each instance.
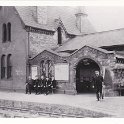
(6, 32)
(59, 30)
(9, 31)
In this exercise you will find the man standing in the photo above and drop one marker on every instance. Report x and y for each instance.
(36, 85)
(98, 80)
(53, 86)
(29, 85)
(46, 86)
(41, 83)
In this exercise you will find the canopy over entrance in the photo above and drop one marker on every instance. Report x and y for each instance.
(85, 71)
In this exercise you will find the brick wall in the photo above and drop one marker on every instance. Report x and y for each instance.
(17, 47)
(38, 42)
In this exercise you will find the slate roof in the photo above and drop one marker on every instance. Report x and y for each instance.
(99, 39)
(65, 14)
(99, 49)
(65, 54)
(26, 14)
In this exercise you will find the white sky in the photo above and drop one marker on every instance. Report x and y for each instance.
(106, 17)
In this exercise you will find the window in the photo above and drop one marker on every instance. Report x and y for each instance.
(59, 35)
(3, 67)
(9, 31)
(4, 33)
(9, 66)
(46, 68)
(49, 68)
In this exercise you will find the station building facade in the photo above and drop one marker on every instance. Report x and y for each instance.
(54, 44)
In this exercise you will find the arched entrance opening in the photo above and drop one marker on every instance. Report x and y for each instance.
(85, 71)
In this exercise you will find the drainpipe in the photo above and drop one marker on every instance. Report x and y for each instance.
(27, 58)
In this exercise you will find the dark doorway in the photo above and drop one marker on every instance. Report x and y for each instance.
(84, 75)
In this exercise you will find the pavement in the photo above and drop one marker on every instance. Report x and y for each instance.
(109, 105)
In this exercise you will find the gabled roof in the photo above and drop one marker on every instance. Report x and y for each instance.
(26, 14)
(66, 54)
(99, 39)
(65, 13)
(48, 50)
(96, 48)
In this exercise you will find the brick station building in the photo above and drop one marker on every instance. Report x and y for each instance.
(44, 37)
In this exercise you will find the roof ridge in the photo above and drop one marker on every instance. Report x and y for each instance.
(102, 32)
(85, 35)
(97, 48)
(49, 50)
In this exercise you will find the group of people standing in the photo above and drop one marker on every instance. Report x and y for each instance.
(42, 85)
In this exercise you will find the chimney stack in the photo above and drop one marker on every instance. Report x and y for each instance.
(80, 16)
(41, 13)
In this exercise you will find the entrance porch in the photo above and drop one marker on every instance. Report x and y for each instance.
(85, 71)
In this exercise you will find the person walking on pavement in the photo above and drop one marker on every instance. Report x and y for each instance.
(98, 80)
(29, 82)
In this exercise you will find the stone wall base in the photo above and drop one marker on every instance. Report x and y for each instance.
(69, 92)
(107, 92)
(110, 93)
(13, 90)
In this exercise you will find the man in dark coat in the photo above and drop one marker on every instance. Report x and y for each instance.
(53, 84)
(98, 80)
(46, 86)
(29, 83)
(37, 81)
(41, 84)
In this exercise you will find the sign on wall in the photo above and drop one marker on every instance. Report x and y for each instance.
(62, 71)
(34, 71)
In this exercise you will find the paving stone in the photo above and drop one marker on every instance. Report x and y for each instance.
(61, 104)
